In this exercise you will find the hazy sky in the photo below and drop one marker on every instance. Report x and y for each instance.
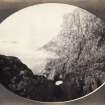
(9, 6)
(37, 32)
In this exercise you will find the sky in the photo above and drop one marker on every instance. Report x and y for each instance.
(9, 6)
(22, 35)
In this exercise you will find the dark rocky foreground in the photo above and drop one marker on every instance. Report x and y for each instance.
(18, 78)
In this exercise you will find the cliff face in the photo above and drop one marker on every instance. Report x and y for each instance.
(80, 46)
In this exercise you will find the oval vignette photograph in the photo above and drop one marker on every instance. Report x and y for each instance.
(52, 52)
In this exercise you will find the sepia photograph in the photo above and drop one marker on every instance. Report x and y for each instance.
(52, 52)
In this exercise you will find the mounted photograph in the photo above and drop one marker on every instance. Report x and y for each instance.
(52, 52)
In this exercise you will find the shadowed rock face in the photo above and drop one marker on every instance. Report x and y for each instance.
(18, 78)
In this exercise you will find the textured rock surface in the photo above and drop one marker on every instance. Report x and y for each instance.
(18, 78)
(80, 45)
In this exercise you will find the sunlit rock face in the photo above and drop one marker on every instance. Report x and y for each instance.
(58, 42)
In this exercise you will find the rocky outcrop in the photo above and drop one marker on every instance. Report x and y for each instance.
(80, 44)
(18, 78)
